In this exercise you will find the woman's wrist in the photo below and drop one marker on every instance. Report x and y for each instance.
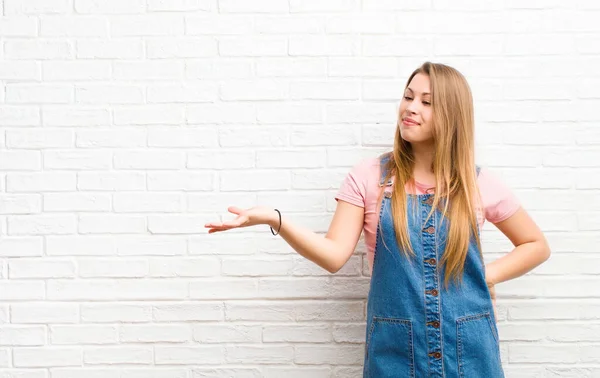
(273, 220)
(490, 276)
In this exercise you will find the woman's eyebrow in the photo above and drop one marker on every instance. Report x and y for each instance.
(424, 93)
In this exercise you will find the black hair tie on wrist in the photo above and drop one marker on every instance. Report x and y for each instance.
(273, 232)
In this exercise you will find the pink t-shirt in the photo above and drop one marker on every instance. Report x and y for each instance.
(361, 188)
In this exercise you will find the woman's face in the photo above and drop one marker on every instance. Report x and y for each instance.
(414, 117)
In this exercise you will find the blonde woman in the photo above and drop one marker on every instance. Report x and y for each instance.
(431, 304)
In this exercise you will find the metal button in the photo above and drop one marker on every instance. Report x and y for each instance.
(432, 261)
(435, 355)
(433, 292)
(430, 230)
(434, 324)
(428, 201)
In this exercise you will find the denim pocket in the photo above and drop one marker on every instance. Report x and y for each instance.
(477, 347)
(390, 351)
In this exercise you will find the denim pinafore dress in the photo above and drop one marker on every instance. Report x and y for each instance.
(415, 326)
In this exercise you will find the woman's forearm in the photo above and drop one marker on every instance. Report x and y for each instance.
(314, 247)
(518, 262)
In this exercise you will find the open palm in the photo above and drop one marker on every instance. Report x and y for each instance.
(245, 218)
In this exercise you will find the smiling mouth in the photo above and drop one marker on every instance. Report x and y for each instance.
(407, 122)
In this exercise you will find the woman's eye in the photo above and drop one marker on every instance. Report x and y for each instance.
(407, 98)
(426, 103)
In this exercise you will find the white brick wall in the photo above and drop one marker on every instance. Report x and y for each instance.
(125, 125)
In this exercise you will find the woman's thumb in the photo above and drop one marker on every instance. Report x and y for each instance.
(235, 210)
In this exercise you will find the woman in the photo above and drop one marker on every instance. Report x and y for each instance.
(431, 304)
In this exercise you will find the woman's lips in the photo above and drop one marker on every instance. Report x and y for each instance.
(408, 122)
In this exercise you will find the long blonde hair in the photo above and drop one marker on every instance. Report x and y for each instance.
(456, 190)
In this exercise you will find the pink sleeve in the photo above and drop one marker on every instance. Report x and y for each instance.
(354, 186)
(498, 200)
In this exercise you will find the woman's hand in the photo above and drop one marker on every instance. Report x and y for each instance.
(246, 218)
(491, 284)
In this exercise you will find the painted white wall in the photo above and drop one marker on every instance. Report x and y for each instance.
(125, 125)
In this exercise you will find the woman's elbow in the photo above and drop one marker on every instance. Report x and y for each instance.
(545, 251)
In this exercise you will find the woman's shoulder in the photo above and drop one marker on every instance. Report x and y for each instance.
(488, 178)
(367, 170)
(498, 199)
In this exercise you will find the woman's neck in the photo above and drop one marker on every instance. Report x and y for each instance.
(423, 162)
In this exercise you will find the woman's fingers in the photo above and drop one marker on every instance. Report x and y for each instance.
(224, 226)
(235, 210)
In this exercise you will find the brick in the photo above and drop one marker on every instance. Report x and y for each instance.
(111, 138)
(83, 334)
(111, 181)
(20, 204)
(139, 355)
(121, 268)
(148, 159)
(333, 46)
(189, 311)
(116, 312)
(80, 245)
(147, 70)
(326, 90)
(245, 136)
(80, 27)
(77, 160)
(75, 116)
(216, 333)
(172, 333)
(12, 7)
(47, 357)
(205, 91)
(221, 113)
(37, 50)
(147, 25)
(42, 224)
(39, 138)
(244, 46)
(189, 47)
(275, 354)
(185, 355)
(147, 203)
(108, 94)
(315, 354)
(197, 137)
(18, 26)
(75, 70)
(22, 335)
(188, 267)
(41, 268)
(181, 5)
(300, 6)
(289, 24)
(21, 246)
(114, 48)
(259, 6)
(19, 115)
(314, 333)
(292, 67)
(116, 290)
(109, 7)
(117, 224)
(20, 160)
(44, 313)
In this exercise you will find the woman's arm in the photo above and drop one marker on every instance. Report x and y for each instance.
(330, 252)
(531, 248)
